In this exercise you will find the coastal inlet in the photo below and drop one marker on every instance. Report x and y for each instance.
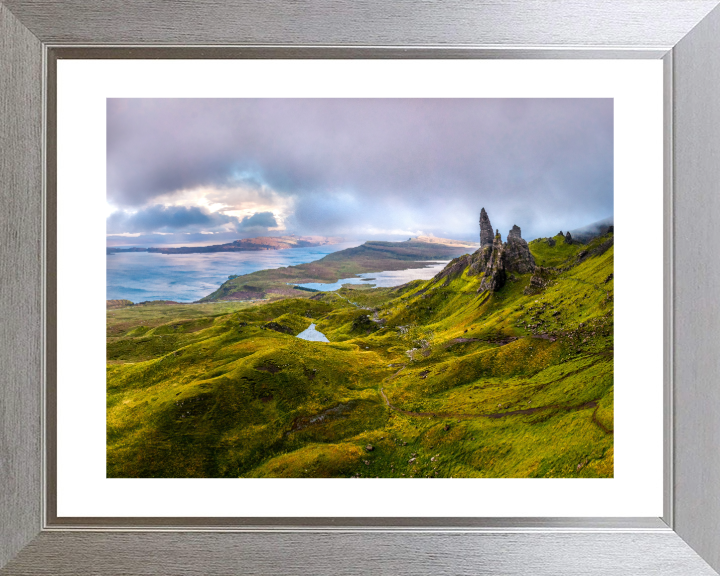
(143, 276)
(387, 279)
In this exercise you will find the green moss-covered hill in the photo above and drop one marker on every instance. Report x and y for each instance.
(431, 379)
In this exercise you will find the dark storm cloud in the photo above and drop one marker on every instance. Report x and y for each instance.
(160, 218)
(258, 220)
(347, 165)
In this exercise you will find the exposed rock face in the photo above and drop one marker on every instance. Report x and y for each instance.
(501, 260)
(494, 260)
(550, 242)
(568, 238)
(486, 231)
(538, 281)
(516, 254)
(494, 270)
(456, 267)
(597, 251)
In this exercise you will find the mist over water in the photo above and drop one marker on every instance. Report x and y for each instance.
(141, 276)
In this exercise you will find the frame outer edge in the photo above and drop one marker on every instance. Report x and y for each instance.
(696, 110)
(21, 282)
(544, 554)
(21, 278)
(371, 22)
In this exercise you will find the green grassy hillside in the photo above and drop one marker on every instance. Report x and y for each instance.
(431, 379)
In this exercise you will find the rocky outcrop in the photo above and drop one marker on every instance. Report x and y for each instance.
(538, 281)
(568, 238)
(456, 267)
(516, 254)
(495, 260)
(597, 251)
(550, 242)
(486, 230)
(494, 274)
(501, 260)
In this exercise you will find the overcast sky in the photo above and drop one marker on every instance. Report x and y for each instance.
(185, 171)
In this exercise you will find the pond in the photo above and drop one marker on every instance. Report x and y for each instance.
(312, 335)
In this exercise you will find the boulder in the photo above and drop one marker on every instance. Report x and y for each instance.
(540, 280)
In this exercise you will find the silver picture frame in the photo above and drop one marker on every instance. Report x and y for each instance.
(685, 34)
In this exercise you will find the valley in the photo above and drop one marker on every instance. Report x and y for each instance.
(501, 366)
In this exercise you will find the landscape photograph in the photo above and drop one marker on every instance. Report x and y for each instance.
(360, 288)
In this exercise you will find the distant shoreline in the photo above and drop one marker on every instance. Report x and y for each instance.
(245, 245)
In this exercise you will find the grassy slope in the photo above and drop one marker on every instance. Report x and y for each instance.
(230, 393)
(369, 257)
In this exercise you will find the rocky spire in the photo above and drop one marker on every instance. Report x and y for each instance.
(514, 233)
(516, 253)
(486, 230)
(568, 238)
(495, 260)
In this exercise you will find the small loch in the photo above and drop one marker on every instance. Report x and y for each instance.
(312, 335)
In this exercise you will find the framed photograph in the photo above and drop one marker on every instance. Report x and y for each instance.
(282, 290)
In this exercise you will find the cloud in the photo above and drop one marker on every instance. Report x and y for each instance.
(260, 221)
(334, 165)
(172, 239)
(160, 218)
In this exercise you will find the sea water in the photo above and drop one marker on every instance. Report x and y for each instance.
(141, 276)
(381, 279)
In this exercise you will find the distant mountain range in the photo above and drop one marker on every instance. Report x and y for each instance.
(244, 245)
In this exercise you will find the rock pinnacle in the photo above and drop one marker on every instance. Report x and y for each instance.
(486, 230)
